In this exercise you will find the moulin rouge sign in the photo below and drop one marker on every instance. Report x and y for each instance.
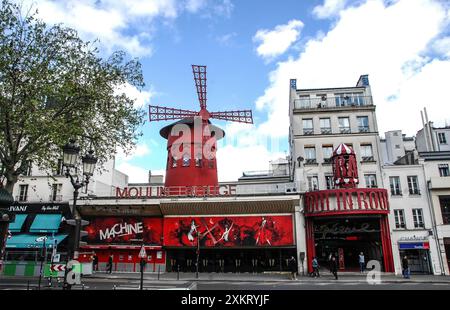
(185, 191)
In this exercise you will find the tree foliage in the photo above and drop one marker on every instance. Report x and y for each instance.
(53, 87)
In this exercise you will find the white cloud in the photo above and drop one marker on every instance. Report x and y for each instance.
(128, 25)
(226, 39)
(329, 8)
(273, 43)
(140, 150)
(442, 46)
(141, 97)
(195, 5)
(135, 174)
(393, 52)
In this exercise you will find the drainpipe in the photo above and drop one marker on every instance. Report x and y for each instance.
(433, 223)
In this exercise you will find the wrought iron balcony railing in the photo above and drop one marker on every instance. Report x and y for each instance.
(333, 102)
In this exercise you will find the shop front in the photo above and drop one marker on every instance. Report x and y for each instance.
(121, 238)
(232, 243)
(417, 252)
(346, 222)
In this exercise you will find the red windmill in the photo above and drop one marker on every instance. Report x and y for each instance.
(194, 137)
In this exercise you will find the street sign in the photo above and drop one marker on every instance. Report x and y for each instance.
(40, 239)
(142, 253)
(56, 258)
(57, 267)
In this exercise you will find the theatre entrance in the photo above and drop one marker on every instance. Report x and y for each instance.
(230, 260)
(346, 238)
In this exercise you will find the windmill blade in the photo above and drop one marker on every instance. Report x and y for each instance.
(243, 116)
(157, 113)
(200, 83)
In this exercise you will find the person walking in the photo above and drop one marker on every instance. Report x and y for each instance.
(405, 266)
(362, 262)
(293, 268)
(110, 263)
(315, 265)
(334, 267)
(95, 262)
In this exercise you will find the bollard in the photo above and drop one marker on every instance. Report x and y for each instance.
(159, 271)
(114, 288)
(178, 273)
(28, 285)
(82, 286)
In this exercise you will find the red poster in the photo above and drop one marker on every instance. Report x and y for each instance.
(229, 231)
(129, 230)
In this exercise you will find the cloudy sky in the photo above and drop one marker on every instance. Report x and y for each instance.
(252, 48)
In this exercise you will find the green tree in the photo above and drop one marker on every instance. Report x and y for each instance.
(53, 87)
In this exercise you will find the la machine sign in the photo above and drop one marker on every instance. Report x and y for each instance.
(186, 191)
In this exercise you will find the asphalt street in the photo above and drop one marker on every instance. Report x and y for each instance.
(310, 284)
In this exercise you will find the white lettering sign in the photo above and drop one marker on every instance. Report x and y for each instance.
(121, 229)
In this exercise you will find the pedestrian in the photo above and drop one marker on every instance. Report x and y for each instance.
(362, 262)
(94, 259)
(334, 267)
(110, 263)
(315, 265)
(293, 268)
(405, 266)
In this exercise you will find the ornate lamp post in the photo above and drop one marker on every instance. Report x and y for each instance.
(70, 158)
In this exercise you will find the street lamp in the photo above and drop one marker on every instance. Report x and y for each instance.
(70, 157)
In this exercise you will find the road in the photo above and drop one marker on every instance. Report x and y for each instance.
(316, 284)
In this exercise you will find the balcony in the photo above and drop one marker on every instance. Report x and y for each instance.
(308, 131)
(325, 130)
(327, 161)
(332, 102)
(363, 128)
(310, 161)
(344, 130)
(367, 159)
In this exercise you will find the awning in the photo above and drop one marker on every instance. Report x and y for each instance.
(16, 226)
(26, 241)
(414, 246)
(46, 223)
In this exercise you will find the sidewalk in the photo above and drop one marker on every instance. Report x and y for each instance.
(275, 277)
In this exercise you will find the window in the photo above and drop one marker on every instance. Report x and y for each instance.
(371, 180)
(442, 138)
(186, 160)
(28, 168)
(344, 124)
(413, 185)
(445, 209)
(59, 168)
(310, 155)
(23, 192)
(418, 218)
(349, 99)
(304, 102)
(56, 192)
(399, 216)
(395, 186)
(327, 151)
(329, 181)
(325, 126)
(443, 170)
(396, 134)
(313, 183)
(363, 123)
(308, 128)
(366, 152)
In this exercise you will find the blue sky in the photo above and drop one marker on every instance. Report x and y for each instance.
(253, 47)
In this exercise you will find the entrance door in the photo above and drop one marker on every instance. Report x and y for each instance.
(418, 260)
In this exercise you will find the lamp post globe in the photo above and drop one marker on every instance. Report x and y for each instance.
(70, 153)
(89, 161)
